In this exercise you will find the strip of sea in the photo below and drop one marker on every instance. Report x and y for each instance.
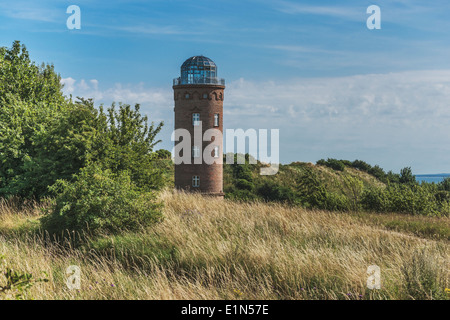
(436, 178)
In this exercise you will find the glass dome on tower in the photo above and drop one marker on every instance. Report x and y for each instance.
(198, 70)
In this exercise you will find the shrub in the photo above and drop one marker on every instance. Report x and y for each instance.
(445, 184)
(392, 177)
(100, 201)
(244, 184)
(353, 189)
(375, 199)
(442, 196)
(335, 202)
(361, 165)
(270, 191)
(378, 173)
(163, 154)
(414, 199)
(242, 171)
(332, 163)
(406, 176)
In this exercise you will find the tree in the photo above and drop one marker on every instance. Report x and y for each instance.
(29, 97)
(406, 176)
(163, 154)
(45, 137)
(24, 80)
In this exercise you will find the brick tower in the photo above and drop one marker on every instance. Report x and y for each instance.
(198, 96)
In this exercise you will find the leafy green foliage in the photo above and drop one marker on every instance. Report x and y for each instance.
(339, 190)
(402, 198)
(445, 185)
(311, 192)
(332, 163)
(163, 154)
(45, 137)
(99, 165)
(100, 201)
(270, 191)
(406, 176)
(24, 80)
(30, 96)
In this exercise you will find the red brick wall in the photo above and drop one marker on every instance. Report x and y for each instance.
(211, 176)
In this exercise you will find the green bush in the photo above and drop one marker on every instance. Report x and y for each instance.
(332, 163)
(445, 184)
(406, 176)
(302, 184)
(270, 191)
(375, 199)
(100, 201)
(45, 137)
(392, 177)
(163, 154)
(361, 165)
(412, 199)
(244, 184)
(378, 173)
(335, 202)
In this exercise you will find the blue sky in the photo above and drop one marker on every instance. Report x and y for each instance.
(311, 69)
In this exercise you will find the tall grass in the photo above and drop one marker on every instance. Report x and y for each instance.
(212, 249)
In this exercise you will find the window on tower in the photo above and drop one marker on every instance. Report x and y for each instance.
(216, 120)
(205, 96)
(196, 181)
(196, 119)
(195, 151)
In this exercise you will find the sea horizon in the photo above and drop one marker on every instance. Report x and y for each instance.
(432, 177)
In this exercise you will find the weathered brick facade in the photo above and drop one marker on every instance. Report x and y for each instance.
(207, 100)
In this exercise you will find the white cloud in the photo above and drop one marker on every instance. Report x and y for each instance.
(29, 10)
(334, 11)
(155, 99)
(395, 120)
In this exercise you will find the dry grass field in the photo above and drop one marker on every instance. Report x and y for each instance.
(213, 249)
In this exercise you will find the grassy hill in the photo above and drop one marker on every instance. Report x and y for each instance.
(338, 185)
(212, 249)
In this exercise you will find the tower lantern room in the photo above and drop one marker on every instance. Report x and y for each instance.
(198, 70)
